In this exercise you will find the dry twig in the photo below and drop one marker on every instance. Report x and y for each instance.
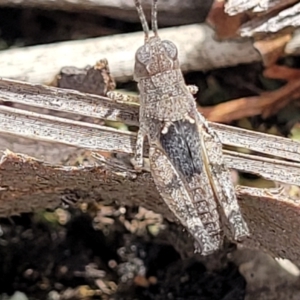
(266, 104)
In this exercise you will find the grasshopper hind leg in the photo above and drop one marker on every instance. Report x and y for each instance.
(229, 203)
(221, 181)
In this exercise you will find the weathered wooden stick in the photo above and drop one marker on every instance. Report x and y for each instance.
(76, 103)
(198, 50)
(101, 138)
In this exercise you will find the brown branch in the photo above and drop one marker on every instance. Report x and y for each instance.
(267, 104)
(282, 73)
(28, 184)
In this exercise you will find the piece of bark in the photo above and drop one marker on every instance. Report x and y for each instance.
(28, 185)
(171, 12)
(198, 50)
(94, 80)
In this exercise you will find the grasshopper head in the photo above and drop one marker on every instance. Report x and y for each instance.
(155, 56)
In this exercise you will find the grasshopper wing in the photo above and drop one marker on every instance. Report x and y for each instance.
(176, 166)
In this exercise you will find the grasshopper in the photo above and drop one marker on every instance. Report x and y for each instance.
(185, 155)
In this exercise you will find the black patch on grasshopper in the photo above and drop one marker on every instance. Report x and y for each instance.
(183, 147)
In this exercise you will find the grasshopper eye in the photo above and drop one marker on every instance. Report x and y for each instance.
(143, 54)
(170, 48)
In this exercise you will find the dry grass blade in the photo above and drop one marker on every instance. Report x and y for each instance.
(77, 103)
(101, 138)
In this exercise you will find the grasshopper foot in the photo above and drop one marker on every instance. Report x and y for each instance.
(240, 228)
(206, 247)
(137, 164)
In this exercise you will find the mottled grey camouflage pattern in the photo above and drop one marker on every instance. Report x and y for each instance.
(185, 154)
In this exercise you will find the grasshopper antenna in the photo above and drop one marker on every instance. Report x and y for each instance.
(142, 18)
(154, 17)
